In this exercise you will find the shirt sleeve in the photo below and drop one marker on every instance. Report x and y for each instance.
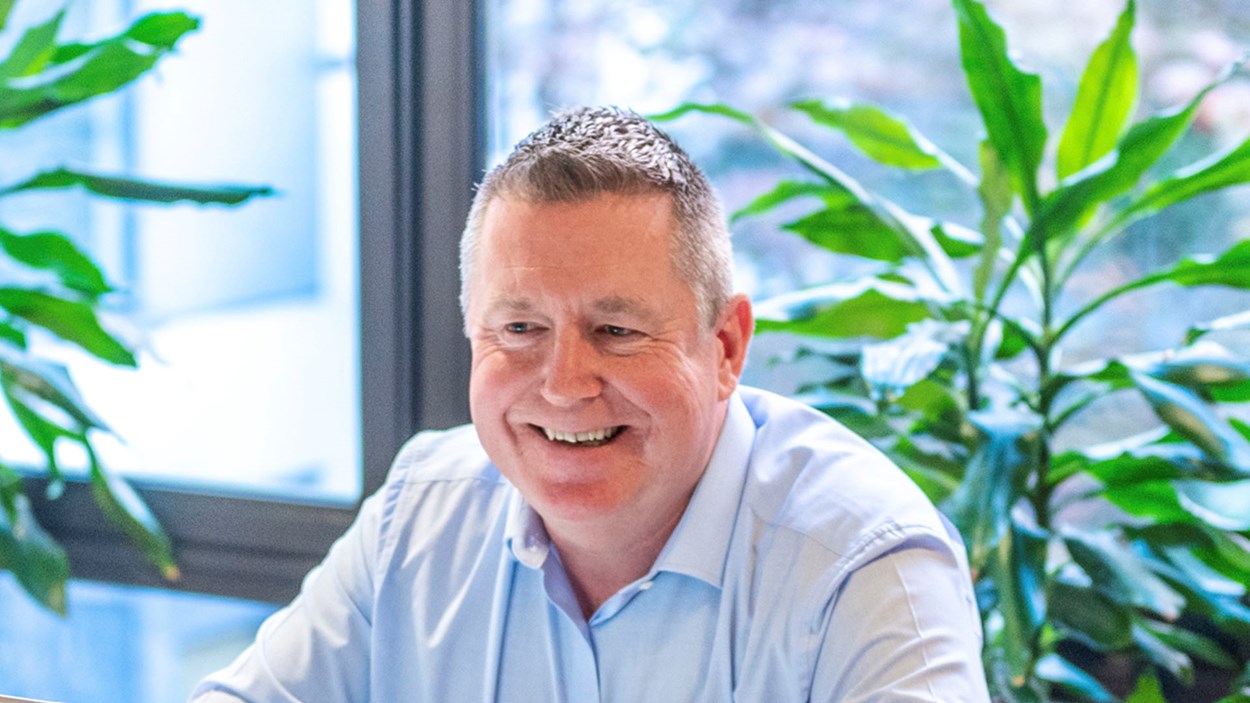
(316, 648)
(903, 629)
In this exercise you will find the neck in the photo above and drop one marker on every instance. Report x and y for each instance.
(601, 563)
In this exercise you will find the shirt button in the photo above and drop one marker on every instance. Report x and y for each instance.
(645, 585)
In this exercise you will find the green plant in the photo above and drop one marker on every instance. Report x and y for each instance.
(50, 288)
(949, 357)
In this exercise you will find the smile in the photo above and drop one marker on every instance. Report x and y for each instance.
(592, 438)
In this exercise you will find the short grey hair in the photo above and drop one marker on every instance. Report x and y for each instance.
(589, 151)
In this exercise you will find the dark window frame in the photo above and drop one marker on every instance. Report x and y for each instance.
(419, 88)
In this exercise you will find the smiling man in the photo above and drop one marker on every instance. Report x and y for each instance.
(622, 521)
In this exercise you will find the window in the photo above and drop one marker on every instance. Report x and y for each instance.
(397, 330)
(902, 54)
(248, 374)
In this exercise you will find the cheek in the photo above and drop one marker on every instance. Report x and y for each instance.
(493, 376)
(676, 390)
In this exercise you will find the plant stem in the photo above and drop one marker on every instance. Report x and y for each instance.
(1101, 300)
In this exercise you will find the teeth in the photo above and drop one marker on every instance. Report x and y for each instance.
(593, 436)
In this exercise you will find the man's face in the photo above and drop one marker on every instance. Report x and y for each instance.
(596, 387)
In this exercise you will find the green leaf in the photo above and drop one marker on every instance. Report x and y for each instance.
(851, 228)
(936, 484)
(1057, 670)
(995, 193)
(1018, 570)
(1163, 655)
(853, 411)
(1140, 148)
(995, 479)
(1232, 269)
(87, 71)
(1202, 573)
(1104, 100)
(1158, 462)
(1229, 553)
(890, 368)
(33, 50)
(102, 70)
(914, 232)
(42, 431)
(69, 51)
(943, 414)
(34, 557)
(883, 137)
(1225, 613)
(1147, 691)
(162, 30)
(1010, 100)
(12, 335)
(867, 308)
(1205, 367)
(1225, 506)
(6, 6)
(1120, 574)
(72, 321)
(1218, 172)
(1190, 642)
(57, 253)
(12, 485)
(1200, 366)
(1186, 413)
(1090, 616)
(958, 242)
(30, 377)
(1236, 321)
(1235, 393)
(784, 192)
(1196, 550)
(1156, 501)
(706, 108)
(146, 191)
(126, 509)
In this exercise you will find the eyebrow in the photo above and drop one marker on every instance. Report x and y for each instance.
(612, 305)
(502, 304)
(617, 305)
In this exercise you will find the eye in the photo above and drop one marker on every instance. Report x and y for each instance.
(615, 331)
(517, 327)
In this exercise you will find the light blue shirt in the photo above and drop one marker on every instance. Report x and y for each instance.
(806, 568)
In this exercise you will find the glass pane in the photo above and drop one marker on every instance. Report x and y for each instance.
(759, 55)
(247, 317)
(119, 643)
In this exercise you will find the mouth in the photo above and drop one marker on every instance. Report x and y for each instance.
(591, 438)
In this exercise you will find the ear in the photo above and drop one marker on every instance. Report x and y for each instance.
(733, 334)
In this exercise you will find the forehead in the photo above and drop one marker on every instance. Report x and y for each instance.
(616, 248)
(603, 227)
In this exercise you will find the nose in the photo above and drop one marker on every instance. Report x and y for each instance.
(572, 373)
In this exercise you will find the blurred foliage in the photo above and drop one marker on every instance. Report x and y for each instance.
(949, 355)
(52, 289)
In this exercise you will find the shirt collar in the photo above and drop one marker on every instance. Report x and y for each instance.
(525, 534)
(700, 543)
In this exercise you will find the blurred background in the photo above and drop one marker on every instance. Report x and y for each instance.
(290, 345)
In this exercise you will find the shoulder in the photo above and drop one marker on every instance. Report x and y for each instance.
(814, 478)
(441, 486)
(442, 455)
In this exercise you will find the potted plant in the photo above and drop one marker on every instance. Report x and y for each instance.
(949, 356)
(55, 290)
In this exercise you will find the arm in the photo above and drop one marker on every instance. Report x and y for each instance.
(903, 629)
(317, 648)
